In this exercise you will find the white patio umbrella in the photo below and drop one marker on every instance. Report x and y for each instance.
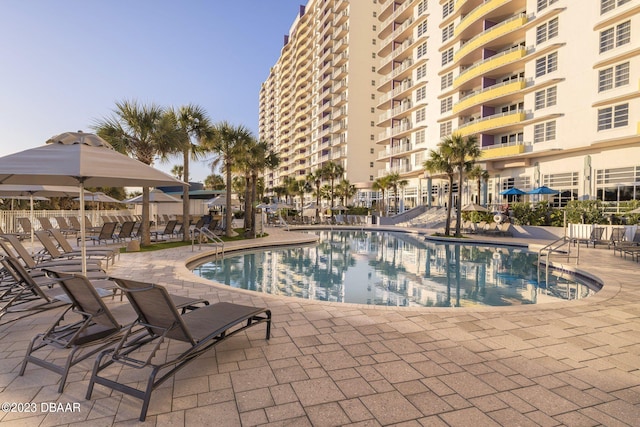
(34, 192)
(155, 196)
(98, 197)
(79, 159)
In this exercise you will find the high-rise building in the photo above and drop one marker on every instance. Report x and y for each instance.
(318, 103)
(550, 88)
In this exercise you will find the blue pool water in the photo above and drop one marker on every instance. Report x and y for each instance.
(395, 269)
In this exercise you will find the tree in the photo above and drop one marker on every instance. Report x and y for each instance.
(332, 171)
(345, 190)
(214, 182)
(479, 175)
(439, 162)
(382, 185)
(144, 132)
(315, 178)
(227, 142)
(463, 152)
(195, 126)
(396, 182)
(177, 171)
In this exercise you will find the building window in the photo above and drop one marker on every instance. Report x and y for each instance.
(373, 110)
(422, 50)
(373, 69)
(447, 8)
(374, 28)
(373, 96)
(373, 55)
(421, 71)
(547, 31)
(371, 150)
(421, 93)
(372, 138)
(447, 56)
(373, 41)
(422, 28)
(373, 123)
(447, 32)
(608, 5)
(420, 115)
(446, 81)
(546, 64)
(613, 117)
(445, 129)
(420, 137)
(615, 36)
(370, 177)
(613, 77)
(546, 98)
(422, 7)
(446, 104)
(544, 131)
(373, 82)
(370, 164)
(375, 14)
(543, 4)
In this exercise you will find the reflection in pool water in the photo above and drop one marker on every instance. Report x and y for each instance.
(395, 269)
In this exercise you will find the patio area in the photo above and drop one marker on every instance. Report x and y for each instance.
(567, 363)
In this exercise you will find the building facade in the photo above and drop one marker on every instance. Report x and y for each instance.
(318, 103)
(550, 88)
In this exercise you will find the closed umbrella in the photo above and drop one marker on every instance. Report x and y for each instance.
(79, 159)
(474, 207)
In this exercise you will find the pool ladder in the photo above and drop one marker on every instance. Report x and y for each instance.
(556, 249)
(204, 235)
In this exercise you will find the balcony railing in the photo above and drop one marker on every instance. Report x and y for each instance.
(503, 150)
(477, 13)
(492, 122)
(488, 93)
(489, 34)
(401, 149)
(482, 67)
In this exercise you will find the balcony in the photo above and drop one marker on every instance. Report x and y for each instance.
(341, 58)
(341, 45)
(492, 122)
(400, 150)
(341, 18)
(395, 131)
(477, 13)
(341, 31)
(396, 169)
(503, 150)
(397, 13)
(394, 35)
(482, 68)
(491, 34)
(406, 106)
(487, 94)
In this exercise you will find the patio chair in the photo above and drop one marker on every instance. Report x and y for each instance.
(199, 329)
(25, 223)
(53, 248)
(617, 236)
(126, 231)
(64, 227)
(24, 297)
(629, 247)
(75, 223)
(17, 250)
(107, 232)
(167, 232)
(594, 238)
(20, 236)
(86, 327)
(45, 223)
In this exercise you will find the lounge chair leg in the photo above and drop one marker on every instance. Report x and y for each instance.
(94, 373)
(147, 394)
(30, 350)
(67, 367)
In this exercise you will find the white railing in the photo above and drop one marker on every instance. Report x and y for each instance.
(9, 223)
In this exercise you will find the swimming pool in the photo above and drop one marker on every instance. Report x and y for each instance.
(395, 269)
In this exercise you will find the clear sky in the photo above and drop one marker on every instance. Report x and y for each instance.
(65, 63)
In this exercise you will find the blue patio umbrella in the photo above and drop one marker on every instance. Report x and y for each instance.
(543, 190)
(513, 191)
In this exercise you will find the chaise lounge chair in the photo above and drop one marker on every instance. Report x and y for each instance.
(102, 253)
(86, 327)
(200, 329)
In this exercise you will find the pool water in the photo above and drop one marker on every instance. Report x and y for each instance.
(395, 269)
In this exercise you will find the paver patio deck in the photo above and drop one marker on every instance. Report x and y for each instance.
(565, 363)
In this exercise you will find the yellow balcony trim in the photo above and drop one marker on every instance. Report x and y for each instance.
(490, 34)
(477, 13)
(489, 93)
(483, 67)
(458, 5)
(511, 150)
(491, 122)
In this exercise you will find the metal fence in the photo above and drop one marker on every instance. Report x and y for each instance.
(9, 223)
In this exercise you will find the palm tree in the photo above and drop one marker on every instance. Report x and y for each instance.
(480, 175)
(144, 132)
(464, 153)
(315, 178)
(227, 142)
(332, 171)
(214, 182)
(177, 171)
(382, 185)
(195, 126)
(440, 162)
(395, 182)
(345, 190)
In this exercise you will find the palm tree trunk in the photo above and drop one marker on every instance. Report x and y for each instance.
(459, 202)
(144, 227)
(228, 219)
(447, 228)
(247, 202)
(185, 190)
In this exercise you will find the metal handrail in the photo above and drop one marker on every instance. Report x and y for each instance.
(204, 231)
(554, 247)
